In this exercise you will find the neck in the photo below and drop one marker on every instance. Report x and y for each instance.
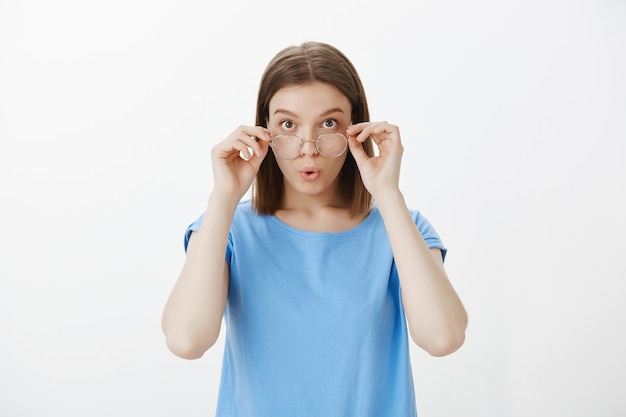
(296, 201)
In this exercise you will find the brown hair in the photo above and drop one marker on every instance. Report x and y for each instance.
(309, 62)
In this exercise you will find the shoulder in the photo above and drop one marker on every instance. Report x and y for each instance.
(246, 219)
(246, 212)
(421, 221)
(245, 205)
(428, 231)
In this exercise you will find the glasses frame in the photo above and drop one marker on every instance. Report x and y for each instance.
(302, 141)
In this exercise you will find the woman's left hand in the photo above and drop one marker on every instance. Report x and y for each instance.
(381, 172)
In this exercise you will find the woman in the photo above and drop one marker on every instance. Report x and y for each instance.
(320, 274)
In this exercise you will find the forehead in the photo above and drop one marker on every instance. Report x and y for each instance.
(311, 99)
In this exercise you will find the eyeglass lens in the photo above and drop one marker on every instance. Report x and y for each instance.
(329, 145)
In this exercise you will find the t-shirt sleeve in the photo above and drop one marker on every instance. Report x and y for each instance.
(429, 233)
(193, 227)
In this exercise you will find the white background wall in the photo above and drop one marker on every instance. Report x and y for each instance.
(513, 119)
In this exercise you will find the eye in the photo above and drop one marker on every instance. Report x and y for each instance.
(287, 124)
(330, 123)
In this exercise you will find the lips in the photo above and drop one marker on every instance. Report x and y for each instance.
(309, 173)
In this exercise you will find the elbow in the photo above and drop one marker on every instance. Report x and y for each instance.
(449, 338)
(184, 350)
(187, 346)
(441, 342)
(445, 345)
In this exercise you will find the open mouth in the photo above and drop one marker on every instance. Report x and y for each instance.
(309, 174)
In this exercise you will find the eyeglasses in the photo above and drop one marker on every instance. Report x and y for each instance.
(330, 145)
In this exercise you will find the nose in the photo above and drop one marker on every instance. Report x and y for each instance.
(309, 137)
(309, 147)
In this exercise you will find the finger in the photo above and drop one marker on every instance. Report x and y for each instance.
(385, 128)
(356, 148)
(357, 128)
(226, 150)
(252, 142)
(258, 133)
(363, 131)
(383, 131)
(244, 151)
(256, 160)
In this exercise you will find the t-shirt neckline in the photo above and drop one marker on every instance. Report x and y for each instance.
(353, 230)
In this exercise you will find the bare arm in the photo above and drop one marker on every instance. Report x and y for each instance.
(193, 313)
(435, 315)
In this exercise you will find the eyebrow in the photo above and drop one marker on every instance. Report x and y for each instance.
(326, 113)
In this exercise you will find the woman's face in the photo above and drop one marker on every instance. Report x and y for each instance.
(308, 111)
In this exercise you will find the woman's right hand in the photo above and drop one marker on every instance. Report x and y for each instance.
(234, 166)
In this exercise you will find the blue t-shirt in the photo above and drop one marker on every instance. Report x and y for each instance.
(314, 321)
